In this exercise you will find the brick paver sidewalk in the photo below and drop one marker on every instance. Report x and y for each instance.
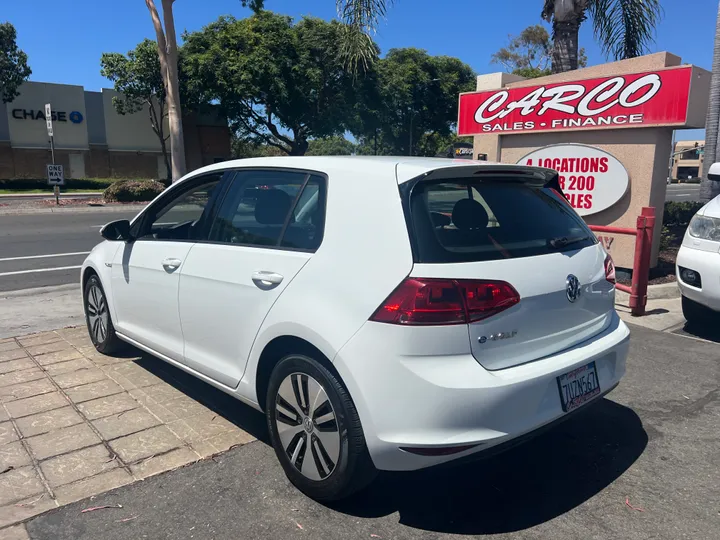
(75, 423)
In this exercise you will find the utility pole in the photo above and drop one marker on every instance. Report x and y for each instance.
(672, 156)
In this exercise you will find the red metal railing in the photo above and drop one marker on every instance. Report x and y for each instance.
(643, 234)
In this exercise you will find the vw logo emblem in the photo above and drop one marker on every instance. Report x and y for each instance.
(572, 288)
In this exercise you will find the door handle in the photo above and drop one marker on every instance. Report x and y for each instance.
(266, 279)
(171, 264)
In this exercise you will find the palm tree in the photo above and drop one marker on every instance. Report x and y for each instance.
(624, 28)
(709, 189)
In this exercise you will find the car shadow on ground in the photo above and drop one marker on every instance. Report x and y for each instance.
(243, 416)
(709, 330)
(523, 487)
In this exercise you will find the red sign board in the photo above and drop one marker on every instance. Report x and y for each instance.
(623, 101)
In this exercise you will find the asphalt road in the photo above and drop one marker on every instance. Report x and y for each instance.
(639, 464)
(683, 192)
(39, 250)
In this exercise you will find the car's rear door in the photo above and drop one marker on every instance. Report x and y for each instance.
(268, 226)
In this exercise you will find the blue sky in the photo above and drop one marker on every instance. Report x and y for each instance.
(65, 38)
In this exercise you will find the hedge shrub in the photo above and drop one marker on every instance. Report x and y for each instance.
(70, 183)
(133, 191)
(680, 213)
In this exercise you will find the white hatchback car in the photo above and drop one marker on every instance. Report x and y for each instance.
(384, 313)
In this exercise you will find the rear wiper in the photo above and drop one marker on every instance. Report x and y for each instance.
(562, 241)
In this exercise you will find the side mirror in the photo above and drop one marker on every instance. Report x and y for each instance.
(714, 172)
(117, 230)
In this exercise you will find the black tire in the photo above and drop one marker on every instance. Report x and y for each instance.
(100, 327)
(695, 313)
(353, 469)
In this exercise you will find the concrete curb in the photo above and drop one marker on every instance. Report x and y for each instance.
(664, 291)
(41, 290)
(71, 210)
(28, 311)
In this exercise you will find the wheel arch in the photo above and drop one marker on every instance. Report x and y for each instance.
(278, 348)
(87, 273)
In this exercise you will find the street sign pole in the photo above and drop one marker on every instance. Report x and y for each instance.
(48, 122)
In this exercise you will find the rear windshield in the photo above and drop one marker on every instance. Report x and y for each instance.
(471, 220)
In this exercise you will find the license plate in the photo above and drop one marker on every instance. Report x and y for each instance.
(578, 386)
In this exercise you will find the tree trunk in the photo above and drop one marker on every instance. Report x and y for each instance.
(177, 142)
(709, 189)
(565, 45)
(167, 53)
(167, 181)
(299, 147)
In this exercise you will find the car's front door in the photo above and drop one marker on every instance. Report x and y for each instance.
(268, 226)
(145, 272)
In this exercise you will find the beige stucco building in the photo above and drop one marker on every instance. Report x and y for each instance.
(91, 139)
(688, 160)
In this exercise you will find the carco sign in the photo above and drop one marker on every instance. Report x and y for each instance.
(624, 101)
(591, 179)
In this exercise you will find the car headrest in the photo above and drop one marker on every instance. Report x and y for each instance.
(469, 214)
(272, 206)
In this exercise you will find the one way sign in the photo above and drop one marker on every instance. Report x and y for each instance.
(55, 175)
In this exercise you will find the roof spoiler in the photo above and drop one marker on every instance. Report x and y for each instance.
(533, 176)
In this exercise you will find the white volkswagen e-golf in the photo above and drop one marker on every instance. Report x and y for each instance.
(384, 313)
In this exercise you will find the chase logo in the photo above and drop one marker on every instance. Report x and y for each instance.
(75, 117)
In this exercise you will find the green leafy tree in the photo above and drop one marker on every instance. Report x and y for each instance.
(330, 146)
(14, 69)
(624, 28)
(241, 147)
(529, 54)
(137, 76)
(279, 83)
(360, 19)
(434, 144)
(416, 95)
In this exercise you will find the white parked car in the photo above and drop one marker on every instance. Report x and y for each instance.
(384, 313)
(697, 264)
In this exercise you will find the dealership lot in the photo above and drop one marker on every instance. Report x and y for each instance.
(639, 464)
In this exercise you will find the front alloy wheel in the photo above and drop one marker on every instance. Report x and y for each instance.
(307, 426)
(97, 315)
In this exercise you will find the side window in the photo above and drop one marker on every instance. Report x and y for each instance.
(271, 208)
(305, 228)
(183, 217)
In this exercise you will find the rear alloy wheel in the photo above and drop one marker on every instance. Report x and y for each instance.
(315, 430)
(97, 316)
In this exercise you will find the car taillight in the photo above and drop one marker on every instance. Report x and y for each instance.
(426, 301)
(610, 270)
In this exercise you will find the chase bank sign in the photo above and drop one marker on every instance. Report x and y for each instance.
(75, 117)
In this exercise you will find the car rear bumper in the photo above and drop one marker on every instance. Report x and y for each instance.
(707, 264)
(432, 401)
